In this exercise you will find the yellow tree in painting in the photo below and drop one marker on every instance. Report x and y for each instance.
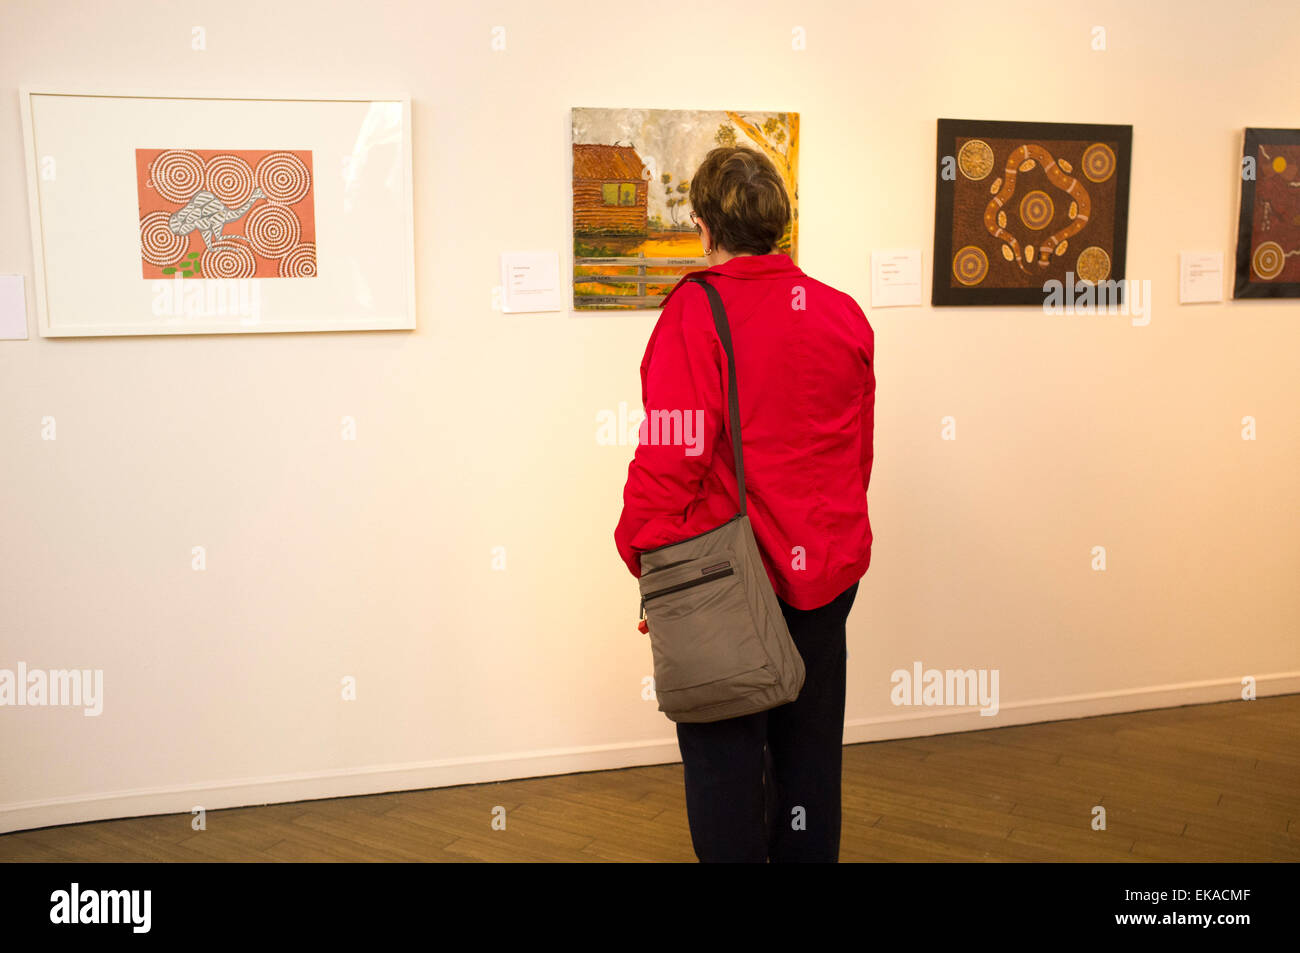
(778, 137)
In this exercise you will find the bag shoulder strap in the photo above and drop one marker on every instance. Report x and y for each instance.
(733, 409)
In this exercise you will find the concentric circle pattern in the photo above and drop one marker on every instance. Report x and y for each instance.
(300, 262)
(1268, 261)
(272, 230)
(1098, 162)
(970, 265)
(177, 174)
(229, 178)
(283, 177)
(228, 260)
(1037, 210)
(158, 243)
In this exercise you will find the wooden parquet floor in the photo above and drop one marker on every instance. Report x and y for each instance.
(1216, 782)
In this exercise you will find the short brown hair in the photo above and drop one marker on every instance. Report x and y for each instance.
(741, 197)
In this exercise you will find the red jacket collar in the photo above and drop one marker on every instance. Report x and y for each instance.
(748, 266)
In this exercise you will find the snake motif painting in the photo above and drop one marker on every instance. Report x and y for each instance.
(226, 214)
(1021, 204)
(1268, 236)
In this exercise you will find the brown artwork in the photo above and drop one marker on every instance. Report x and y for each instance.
(1268, 235)
(1023, 204)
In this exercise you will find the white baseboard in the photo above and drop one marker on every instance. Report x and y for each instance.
(915, 721)
(379, 779)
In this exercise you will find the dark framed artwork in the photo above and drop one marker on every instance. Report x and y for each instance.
(1019, 204)
(1268, 231)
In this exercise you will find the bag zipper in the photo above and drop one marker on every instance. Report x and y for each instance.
(729, 571)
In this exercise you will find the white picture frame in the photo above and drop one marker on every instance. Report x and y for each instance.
(86, 200)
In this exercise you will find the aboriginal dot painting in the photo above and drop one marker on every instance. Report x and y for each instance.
(1023, 204)
(246, 213)
(1268, 232)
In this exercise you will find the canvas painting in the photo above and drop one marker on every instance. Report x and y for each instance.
(1021, 204)
(632, 232)
(236, 213)
(1268, 231)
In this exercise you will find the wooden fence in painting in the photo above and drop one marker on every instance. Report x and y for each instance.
(641, 278)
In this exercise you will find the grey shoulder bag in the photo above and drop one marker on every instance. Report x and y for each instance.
(720, 642)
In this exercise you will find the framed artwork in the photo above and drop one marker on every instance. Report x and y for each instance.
(632, 232)
(1021, 204)
(1268, 230)
(200, 214)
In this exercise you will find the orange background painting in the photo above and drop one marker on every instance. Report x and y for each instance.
(238, 213)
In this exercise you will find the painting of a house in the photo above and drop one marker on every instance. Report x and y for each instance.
(632, 232)
(609, 192)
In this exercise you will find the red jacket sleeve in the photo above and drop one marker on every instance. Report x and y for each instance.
(868, 403)
(682, 393)
(868, 426)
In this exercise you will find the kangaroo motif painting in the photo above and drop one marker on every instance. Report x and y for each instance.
(232, 214)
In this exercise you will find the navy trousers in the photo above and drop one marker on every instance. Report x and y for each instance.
(766, 787)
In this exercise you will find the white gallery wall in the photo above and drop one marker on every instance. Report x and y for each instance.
(373, 558)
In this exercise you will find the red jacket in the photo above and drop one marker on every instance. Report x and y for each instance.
(805, 370)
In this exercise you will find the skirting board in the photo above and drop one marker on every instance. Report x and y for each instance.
(383, 779)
